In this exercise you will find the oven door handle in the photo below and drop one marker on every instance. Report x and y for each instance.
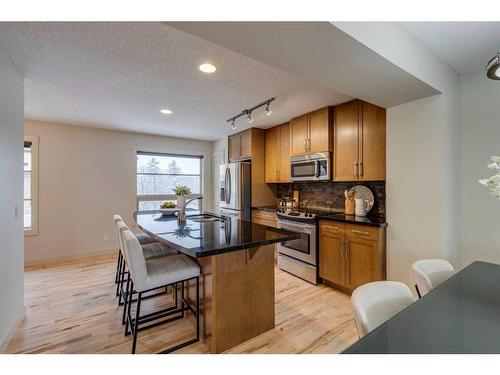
(299, 227)
(316, 168)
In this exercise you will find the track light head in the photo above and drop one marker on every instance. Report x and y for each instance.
(249, 117)
(268, 111)
(233, 125)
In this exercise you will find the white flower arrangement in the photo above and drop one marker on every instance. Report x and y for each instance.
(494, 181)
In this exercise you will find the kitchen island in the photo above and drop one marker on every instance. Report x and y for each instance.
(236, 258)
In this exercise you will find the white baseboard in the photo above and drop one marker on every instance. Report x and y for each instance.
(12, 331)
(67, 257)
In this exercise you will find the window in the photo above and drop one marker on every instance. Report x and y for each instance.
(158, 174)
(30, 185)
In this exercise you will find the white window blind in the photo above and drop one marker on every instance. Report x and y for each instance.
(158, 174)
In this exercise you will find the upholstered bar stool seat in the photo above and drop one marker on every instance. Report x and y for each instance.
(157, 249)
(168, 271)
(144, 238)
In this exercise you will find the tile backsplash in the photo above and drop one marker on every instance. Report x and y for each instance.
(330, 194)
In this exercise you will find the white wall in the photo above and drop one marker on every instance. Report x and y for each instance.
(422, 153)
(11, 195)
(85, 176)
(480, 139)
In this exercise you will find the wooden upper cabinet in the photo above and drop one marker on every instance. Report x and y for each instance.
(284, 154)
(359, 142)
(240, 145)
(345, 159)
(319, 130)
(278, 154)
(299, 134)
(246, 144)
(272, 154)
(311, 132)
(372, 143)
(234, 147)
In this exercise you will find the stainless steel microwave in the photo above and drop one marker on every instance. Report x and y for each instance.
(311, 167)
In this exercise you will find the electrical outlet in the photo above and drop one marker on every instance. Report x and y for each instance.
(106, 236)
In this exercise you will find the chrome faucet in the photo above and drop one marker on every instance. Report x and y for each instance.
(181, 215)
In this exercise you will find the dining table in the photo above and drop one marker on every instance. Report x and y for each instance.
(461, 315)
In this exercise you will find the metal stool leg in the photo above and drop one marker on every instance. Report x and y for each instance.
(118, 267)
(197, 308)
(136, 322)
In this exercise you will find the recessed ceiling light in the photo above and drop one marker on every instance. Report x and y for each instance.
(207, 68)
(166, 111)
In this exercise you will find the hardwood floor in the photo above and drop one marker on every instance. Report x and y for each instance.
(71, 308)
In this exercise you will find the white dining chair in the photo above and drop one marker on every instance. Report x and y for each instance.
(376, 302)
(429, 273)
(153, 274)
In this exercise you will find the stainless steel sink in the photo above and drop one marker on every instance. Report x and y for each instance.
(204, 218)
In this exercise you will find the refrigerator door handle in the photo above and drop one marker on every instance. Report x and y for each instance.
(227, 182)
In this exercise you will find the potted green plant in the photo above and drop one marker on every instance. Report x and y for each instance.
(181, 191)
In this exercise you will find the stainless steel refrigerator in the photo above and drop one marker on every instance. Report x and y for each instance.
(235, 189)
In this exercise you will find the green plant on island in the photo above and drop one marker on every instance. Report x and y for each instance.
(182, 190)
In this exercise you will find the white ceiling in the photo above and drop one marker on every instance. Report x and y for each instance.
(119, 75)
(465, 46)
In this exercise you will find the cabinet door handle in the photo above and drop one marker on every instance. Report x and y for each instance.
(356, 169)
(279, 175)
(360, 232)
(309, 144)
(361, 168)
(305, 144)
(330, 227)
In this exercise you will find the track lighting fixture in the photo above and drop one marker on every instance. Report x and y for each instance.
(493, 67)
(248, 112)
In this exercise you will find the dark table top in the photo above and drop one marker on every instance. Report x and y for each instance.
(201, 239)
(462, 315)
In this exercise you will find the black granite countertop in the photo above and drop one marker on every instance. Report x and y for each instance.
(205, 238)
(371, 221)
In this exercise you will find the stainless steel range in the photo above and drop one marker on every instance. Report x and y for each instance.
(299, 257)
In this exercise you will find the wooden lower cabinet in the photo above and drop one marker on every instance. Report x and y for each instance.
(351, 255)
(332, 266)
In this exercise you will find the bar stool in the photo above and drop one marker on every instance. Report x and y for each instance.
(429, 273)
(376, 302)
(150, 251)
(152, 274)
(143, 239)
